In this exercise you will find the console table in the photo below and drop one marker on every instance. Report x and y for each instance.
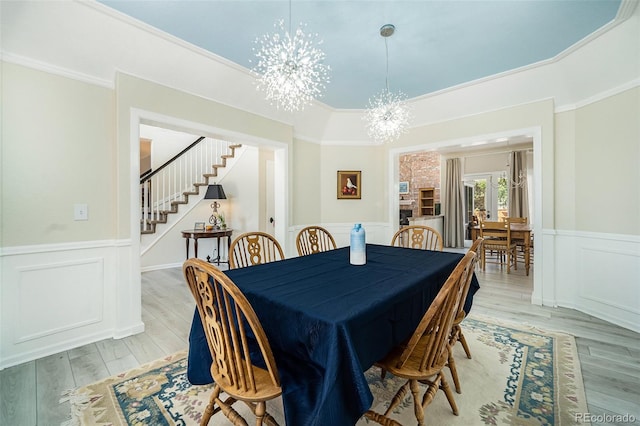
(215, 233)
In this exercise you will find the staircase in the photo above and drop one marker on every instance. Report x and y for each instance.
(164, 189)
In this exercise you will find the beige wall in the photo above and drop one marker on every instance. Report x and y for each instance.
(487, 163)
(595, 154)
(607, 165)
(66, 129)
(305, 183)
(373, 205)
(598, 166)
(57, 150)
(314, 184)
(565, 170)
(589, 152)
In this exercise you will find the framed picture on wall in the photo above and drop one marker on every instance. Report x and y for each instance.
(403, 188)
(349, 185)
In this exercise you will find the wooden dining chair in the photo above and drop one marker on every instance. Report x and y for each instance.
(254, 248)
(418, 237)
(230, 324)
(314, 239)
(497, 239)
(456, 330)
(423, 357)
(520, 243)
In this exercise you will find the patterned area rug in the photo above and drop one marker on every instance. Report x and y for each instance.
(517, 376)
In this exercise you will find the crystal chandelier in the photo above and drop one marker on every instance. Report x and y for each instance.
(290, 69)
(504, 180)
(387, 114)
(521, 182)
(507, 181)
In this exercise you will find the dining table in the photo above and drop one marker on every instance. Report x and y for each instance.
(328, 321)
(521, 231)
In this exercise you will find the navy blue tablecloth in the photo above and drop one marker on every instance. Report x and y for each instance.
(328, 321)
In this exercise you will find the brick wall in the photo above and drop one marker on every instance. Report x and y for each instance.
(421, 170)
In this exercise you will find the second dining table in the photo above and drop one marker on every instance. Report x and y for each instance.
(328, 321)
(521, 231)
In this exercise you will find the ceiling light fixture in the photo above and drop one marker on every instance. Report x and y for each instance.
(290, 68)
(507, 180)
(521, 182)
(387, 114)
(504, 180)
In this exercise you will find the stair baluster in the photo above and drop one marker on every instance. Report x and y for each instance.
(164, 189)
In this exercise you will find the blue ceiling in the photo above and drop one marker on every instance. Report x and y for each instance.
(437, 44)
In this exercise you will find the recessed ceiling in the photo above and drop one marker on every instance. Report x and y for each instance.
(437, 44)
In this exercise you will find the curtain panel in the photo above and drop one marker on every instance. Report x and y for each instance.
(453, 204)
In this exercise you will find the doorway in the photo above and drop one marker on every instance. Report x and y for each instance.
(477, 146)
(128, 300)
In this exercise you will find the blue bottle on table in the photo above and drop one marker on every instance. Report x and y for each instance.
(357, 248)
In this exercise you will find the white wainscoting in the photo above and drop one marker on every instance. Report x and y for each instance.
(58, 297)
(599, 274)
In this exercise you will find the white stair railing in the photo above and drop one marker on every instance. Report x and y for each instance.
(163, 190)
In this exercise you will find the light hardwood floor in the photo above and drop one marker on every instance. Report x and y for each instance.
(30, 392)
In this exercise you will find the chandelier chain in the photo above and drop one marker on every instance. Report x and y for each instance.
(290, 19)
(386, 49)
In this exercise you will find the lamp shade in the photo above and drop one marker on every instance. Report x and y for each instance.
(215, 192)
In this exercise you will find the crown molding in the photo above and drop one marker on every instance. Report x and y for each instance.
(626, 9)
(56, 70)
(599, 96)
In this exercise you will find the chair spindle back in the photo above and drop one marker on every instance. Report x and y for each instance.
(314, 239)
(254, 248)
(430, 341)
(418, 237)
(226, 317)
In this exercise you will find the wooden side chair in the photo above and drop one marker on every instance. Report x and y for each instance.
(314, 239)
(228, 320)
(422, 358)
(456, 330)
(418, 237)
(497, 239)
(520, 244)
(254, 248)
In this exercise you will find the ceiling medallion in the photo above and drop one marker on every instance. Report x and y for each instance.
(291, 70)
(387, 113)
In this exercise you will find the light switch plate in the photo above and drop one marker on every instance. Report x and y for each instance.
(80, 212)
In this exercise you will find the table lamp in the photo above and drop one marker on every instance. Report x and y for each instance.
(215, 192)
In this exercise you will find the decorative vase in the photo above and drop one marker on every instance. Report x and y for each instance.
(358, 247)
